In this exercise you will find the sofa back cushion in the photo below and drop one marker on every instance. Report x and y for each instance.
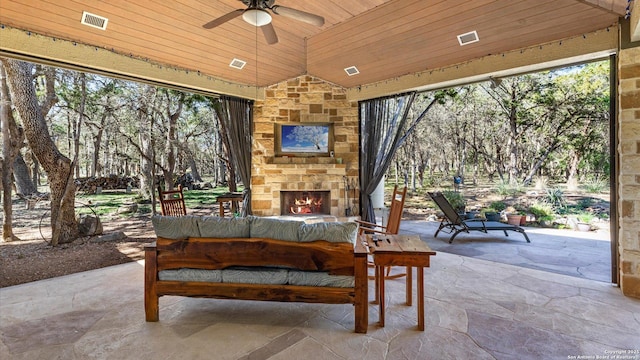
(176, 227)
(339, 232)
(269, 228)
(217, 227)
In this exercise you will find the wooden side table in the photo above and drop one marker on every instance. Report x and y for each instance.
(400, 250)
(229, 197)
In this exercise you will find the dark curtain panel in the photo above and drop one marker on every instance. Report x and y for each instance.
(384, 125)
(237, 117)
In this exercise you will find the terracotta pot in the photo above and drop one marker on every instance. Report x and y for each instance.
(514, 219)
(523, 220)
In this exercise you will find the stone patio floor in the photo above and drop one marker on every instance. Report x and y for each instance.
(487, 297)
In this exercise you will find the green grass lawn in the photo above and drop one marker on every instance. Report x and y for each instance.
(109, 201)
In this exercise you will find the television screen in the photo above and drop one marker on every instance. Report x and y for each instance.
(308, 139)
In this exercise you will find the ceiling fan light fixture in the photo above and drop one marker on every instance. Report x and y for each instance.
(256, 17)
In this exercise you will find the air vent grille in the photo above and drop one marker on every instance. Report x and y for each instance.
(94, 20)
(237, 63)
(468, 38)
(352, 70)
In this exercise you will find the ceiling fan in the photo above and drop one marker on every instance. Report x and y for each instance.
(257, 15)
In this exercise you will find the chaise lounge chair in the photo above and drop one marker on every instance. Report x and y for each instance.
(454, 223)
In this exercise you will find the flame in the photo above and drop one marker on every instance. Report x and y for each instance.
(306, 205)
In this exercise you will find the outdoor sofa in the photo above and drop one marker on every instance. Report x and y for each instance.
(256, 258)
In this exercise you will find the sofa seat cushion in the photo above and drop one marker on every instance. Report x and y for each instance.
(259, 275)
(255, 275)
(319, 278)
(217, 227)
(186, 274)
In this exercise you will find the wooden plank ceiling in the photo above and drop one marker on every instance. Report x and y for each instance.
(384, 39)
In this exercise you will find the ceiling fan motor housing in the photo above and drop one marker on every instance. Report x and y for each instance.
(259, 4)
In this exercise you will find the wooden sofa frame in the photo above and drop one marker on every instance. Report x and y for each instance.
(215, 254)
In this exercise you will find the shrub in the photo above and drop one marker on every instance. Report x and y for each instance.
(555, 197)
(541, 182)
(455, 199)
(541, 210)
(546, 218)
(596, 186)
(585, 217)
(508, 189)
(585, 203)
(498, 206)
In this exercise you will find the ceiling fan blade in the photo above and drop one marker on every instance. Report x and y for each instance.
(223, 19)
(269, 33)
(298, 15)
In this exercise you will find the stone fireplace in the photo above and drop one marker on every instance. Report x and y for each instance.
(304, 99)
(305, 202)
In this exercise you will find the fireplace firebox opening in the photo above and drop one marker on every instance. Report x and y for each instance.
(305, 202)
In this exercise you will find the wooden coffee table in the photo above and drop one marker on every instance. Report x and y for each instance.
(399, 250)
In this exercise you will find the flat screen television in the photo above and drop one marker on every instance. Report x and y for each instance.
(309, 139)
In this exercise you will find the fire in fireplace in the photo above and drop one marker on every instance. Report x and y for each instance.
(305, 202)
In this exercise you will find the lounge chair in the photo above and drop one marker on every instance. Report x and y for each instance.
(455, 224)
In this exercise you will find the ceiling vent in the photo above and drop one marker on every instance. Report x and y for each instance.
(468, 38)
(352, 70)
(237, 64)
(94, 20)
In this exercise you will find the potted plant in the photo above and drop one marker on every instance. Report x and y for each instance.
(471, 214)
(491, 214)
(498, 206)
(494, 213)
(523, 218)
(514, 219)
(584, 221)
(515, 216)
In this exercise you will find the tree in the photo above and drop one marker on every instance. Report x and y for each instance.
(55, 164)
(10, 149)
(23, 180)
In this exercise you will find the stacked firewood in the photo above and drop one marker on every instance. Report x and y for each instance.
(95, 184)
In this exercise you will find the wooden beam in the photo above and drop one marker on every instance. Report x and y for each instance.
(554, 54)
(37, 48)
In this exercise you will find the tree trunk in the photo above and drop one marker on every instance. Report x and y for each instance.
(56, 165)
(8, 152)
(192, 164)
(538, 163)
(35, 170)
(147, 177)
(22, 177)
(97, 142)
(572, 181)
(230, 160)
(171, 140)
